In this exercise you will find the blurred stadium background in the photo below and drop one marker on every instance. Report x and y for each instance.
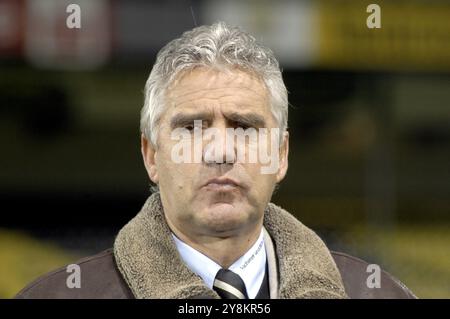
(369, 124)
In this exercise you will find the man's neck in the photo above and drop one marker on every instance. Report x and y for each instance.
(222, 250)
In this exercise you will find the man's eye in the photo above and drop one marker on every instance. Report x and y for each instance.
(242, 126)
(192, 126)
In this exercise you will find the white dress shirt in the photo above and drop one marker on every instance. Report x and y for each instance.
(251, 267)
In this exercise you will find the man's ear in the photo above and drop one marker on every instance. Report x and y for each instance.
(149, 154)
(284, 152)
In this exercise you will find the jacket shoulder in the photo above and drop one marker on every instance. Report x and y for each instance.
(355, 272)
(99, 278)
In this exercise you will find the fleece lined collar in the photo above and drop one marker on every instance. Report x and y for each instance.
(150, 264)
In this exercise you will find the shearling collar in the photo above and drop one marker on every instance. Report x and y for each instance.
(151, 266)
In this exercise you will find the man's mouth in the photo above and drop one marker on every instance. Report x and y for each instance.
(222, 184)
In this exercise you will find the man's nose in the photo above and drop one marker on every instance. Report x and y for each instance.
(219, 147)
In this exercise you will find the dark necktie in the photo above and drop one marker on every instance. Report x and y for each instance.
(229, 285)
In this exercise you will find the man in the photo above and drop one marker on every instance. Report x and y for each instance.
(209, 230)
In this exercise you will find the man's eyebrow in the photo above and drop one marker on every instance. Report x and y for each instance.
(182, 119)
(248, 119)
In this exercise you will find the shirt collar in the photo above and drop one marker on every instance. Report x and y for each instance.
(250, 267)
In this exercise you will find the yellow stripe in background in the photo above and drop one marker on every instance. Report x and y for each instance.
(414, 35)
(23, 259)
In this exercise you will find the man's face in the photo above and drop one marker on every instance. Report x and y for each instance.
(213, 198)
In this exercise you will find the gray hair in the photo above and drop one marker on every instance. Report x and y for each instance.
(214, 46)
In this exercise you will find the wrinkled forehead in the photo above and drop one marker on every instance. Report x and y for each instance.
(212, 77)
(201, 87)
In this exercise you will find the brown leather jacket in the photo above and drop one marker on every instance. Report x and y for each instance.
(102, 279)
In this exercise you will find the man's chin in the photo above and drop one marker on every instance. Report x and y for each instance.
(224, 217)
